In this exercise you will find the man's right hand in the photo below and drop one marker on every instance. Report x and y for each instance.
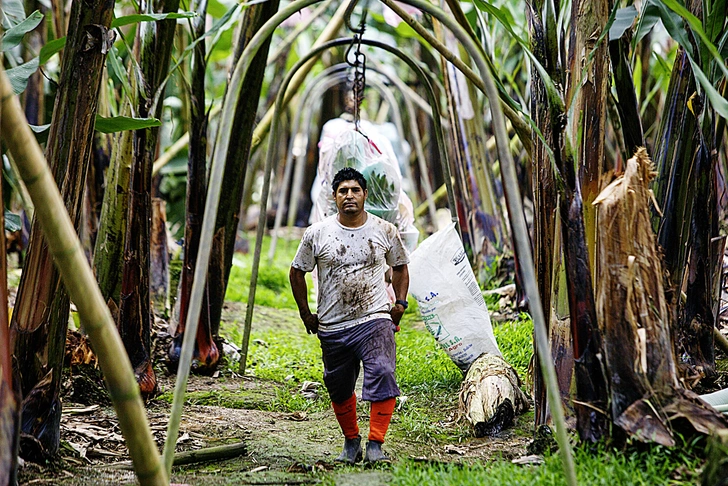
(311, 322)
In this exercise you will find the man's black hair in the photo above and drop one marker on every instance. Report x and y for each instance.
(348, 174)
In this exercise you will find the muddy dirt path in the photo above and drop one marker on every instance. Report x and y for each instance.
(280, 448)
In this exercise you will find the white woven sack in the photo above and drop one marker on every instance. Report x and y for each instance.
(449, 298)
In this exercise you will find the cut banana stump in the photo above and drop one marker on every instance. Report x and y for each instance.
(490, 396)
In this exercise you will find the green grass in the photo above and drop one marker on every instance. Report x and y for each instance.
(273, 289)
(289, 360)
(274, 356)
(415, 347)
(287, 357)
(601, 465)
(429, 380)
(515, 340)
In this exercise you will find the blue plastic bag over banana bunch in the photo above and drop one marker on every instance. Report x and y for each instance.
(449, 298)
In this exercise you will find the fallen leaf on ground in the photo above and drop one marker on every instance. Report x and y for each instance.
(451, 449)
(528, 460)
(297, 416)
(309, 389)
(184, 438)
(77, 411)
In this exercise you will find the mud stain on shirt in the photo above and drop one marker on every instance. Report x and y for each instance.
(351, 267)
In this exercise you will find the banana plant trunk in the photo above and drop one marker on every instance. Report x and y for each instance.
(590, 404)
(207, 352)
(109, 247)
(587, 84)
(696, 324)
(159, 252)
(9, 400)
(675, 149)
(109, 240)
(575, 342)
(695, 341)
(236, 161)
(135, 316)
(40, 320)
(684, 190)
(543, 185)
(587, 89)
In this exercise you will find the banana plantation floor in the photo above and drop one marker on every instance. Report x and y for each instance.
(279, 447)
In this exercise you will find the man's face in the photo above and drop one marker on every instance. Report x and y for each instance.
(350, 198)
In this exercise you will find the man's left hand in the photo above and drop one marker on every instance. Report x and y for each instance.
(397, 312)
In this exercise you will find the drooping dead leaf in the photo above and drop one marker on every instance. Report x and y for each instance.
(642, 421)
(78, 350)
(646, 395)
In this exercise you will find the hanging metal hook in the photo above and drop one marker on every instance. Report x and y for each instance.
(347, 17)
(360, 61)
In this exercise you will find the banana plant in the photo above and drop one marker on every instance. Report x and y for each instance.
(207, 352)
(570, 147)
(39, 331)
(135, 316)
(9, 399)
(39, 323)
(686, 148)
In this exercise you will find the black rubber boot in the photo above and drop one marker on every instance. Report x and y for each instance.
(351, 452)
(375, 453)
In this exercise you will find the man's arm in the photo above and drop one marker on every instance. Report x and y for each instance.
(300, 295)
(400, 284)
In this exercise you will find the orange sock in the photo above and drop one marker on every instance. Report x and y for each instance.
(379, 419)
(346, 416)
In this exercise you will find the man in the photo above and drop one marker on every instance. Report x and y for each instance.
(355, 321)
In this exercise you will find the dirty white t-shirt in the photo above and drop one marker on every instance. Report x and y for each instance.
(351, 263)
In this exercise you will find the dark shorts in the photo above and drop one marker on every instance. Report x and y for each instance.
(372, 343)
